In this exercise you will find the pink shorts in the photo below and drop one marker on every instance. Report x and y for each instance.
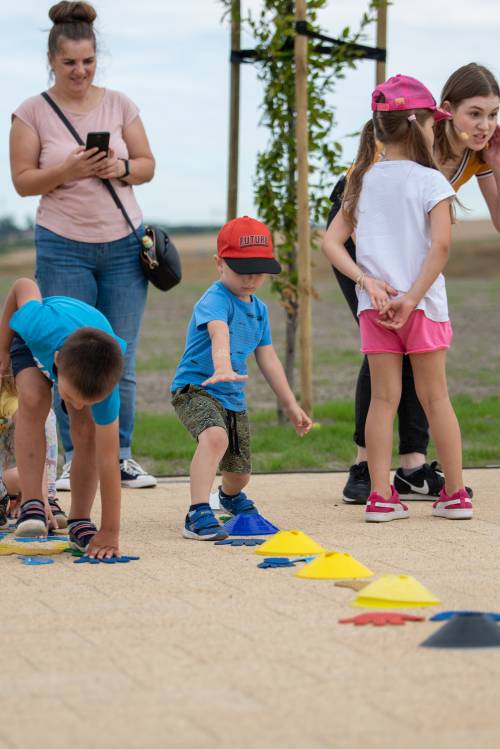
(417, 336)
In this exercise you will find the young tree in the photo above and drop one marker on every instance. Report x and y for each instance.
(276, 170)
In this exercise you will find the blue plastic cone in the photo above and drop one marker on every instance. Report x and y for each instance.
(249, 524)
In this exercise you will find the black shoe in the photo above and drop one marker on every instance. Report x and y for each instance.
(358, 486)
(424, 483)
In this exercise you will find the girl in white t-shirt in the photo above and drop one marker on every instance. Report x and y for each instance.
(399, 209)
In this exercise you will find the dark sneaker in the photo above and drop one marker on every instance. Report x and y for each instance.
(358, 487)
(32, 520)
(58, 513)
(201, 524)
(81, 533)
(133, 476)
(4, 512)
(424, 483)
(238, 505)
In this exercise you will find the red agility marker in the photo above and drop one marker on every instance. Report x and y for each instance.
(381, 618)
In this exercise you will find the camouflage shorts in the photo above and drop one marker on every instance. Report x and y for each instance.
(198, 410)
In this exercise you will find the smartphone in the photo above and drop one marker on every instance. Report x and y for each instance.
(98, 140)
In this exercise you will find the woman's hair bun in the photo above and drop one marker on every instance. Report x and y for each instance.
(66, 12)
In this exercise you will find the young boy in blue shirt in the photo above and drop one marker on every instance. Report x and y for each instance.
(228, 324)
(63, 340)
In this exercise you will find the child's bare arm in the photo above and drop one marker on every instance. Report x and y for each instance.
(332, 246)
(272, 369)
(221, 354)
(23, 290)
(105, 543)
(400, 309)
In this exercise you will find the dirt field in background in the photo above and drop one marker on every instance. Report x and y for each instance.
(474, 291)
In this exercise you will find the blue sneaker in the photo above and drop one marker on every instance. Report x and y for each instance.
(238, 504)
(201, 524)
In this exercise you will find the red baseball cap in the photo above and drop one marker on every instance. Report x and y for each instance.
(246, 246)
(403, 92)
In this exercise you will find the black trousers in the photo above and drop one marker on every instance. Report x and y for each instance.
(413, 424)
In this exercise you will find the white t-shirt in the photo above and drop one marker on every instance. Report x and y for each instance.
(393, 229)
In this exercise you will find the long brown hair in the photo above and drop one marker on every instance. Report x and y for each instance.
(387, 127)
(465, 83)
(72, 21)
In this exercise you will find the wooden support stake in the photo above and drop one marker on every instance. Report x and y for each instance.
(304, 241)
(234, 115)
(380, 74)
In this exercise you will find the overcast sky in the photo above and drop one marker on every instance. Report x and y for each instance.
(171, 58)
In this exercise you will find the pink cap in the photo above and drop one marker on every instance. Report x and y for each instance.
(403, 92)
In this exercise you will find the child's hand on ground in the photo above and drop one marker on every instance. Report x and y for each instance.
(379, 292)
(224, 374)
(396, 312)
(104, 545)
(299, 419)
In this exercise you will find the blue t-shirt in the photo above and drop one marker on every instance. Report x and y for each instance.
(45, 325)
(248, 325)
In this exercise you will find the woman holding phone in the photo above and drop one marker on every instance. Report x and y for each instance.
(84, 247)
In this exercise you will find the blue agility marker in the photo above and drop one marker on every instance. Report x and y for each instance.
(270, 562)
(445, 615)
(239, 542)
(113, 560)
(35, 561)
(249, 524)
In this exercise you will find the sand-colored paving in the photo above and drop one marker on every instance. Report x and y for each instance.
(194, 647)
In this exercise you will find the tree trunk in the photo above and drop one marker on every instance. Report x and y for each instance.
(290, 231)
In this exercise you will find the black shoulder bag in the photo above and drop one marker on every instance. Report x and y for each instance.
(160, 262)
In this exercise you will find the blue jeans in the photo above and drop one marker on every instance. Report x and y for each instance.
(109, 277)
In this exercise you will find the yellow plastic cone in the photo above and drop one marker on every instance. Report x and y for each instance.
(334, 566)
(395, 592)
(289, 544)
(46, 548)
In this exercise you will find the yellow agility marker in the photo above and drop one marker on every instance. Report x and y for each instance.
(334, 566)
(395, 592)
(289, 544)
(35, 549)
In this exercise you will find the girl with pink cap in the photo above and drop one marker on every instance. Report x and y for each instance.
(400, 210)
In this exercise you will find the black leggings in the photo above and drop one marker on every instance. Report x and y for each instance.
(413, 424)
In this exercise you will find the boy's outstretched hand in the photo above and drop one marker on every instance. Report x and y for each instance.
(299, 419)
(224, 375)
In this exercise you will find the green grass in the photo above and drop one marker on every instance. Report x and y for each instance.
(164, 445)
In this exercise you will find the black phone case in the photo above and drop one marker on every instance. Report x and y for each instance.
(99, 140)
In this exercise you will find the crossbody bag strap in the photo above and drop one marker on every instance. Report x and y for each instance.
(106, 182)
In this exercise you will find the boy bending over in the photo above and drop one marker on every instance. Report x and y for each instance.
(63, 340)
(228, 324)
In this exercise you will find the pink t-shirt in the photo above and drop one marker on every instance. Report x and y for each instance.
(83, 209)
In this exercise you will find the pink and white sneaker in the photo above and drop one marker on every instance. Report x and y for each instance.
(380, 510)
(456, 507)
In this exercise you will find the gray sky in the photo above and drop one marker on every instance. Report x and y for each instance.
(171, 58)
